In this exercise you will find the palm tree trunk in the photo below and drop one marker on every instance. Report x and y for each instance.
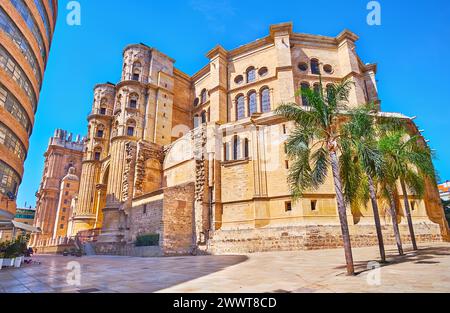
(393, 208)
(342, 214)
(376, 215)
(408, 215)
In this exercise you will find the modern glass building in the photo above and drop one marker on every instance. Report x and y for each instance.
(26, 31)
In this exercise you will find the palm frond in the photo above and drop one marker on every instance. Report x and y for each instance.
(320, 164)
(415, 183)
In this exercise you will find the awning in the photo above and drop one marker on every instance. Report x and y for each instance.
(26, 227)
(13, 224)
(6, 216)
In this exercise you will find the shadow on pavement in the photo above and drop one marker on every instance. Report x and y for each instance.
(428, 255)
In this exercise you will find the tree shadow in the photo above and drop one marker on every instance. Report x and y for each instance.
(427, 255)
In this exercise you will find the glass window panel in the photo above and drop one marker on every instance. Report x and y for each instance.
(10, 65)
(315, 69)
(44, 17)
(25, 12)
(252, 106)
(251, 75)
(10, 28)
(265, 100)
(240, 105)
(12, 142)
(50, 5)
(13, 106)
(9, 179)
(303, 87)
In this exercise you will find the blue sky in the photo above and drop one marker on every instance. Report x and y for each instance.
(411, 48)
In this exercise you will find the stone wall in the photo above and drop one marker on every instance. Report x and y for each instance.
(177, 223)
(311, 238)
(145, 219)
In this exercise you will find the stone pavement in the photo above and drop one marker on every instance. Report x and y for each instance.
(302, 271)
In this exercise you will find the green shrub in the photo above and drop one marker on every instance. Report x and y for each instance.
(16, 248)
(147, 240)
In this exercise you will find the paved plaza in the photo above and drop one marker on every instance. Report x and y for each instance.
(303, 271)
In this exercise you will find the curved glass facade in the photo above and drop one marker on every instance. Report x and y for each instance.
(50, 5)
(13, 106)
(9, 179)
(12, 142)
(40, 6)
(25, 12)
(9, 27)
(10, 65)
(26, 29)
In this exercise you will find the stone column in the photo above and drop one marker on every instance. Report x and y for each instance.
(101, 203)
(84, 217)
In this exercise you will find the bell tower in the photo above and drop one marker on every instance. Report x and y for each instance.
(95, 151)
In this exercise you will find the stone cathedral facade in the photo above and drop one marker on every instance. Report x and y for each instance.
(200, 159)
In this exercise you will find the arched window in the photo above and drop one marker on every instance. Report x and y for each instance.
(317, 88)
(329, 89)
(263, 71)
(315, 68)
(246, 151)
(196, 102)
(137, 70)
(303, 87)
(204, 96)
(131, 125)
(196, 120)
(203, 115)
(265, 100)
(97, 154)
(252, 105)
(133, 101)
(103, 105)
(235, 147)
(100, 131)
(251, 74)
(240, 107)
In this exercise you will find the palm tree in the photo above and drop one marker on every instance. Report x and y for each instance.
(313, 147)
(408, 162)
(361, 161)
(389, 193)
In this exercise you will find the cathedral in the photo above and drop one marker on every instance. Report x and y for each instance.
(200, 160)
